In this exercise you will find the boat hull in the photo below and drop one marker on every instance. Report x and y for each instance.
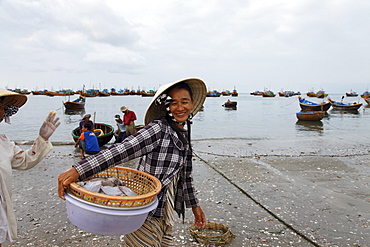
(102, 139)
(353, 107)
(230, 104)
(345, 107)
(308, 106)
(310, 116)
(70, 105)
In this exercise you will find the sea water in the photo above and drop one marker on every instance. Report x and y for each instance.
(255, 117)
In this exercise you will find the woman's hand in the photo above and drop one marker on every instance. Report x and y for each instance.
(65, 179)
(49, 126)
(199, 217)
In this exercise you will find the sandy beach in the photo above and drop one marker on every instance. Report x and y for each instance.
(268, 194)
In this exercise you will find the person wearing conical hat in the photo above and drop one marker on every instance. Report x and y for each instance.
(13, 157)
(164, 148)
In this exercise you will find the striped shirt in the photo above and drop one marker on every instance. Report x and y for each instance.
(162, 154)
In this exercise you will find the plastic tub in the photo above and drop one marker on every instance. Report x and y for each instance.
(105, 221)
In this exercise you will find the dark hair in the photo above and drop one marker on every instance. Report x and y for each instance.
(87, 126)
(181, 85)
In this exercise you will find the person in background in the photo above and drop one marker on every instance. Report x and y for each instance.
(87, 142)
(86, 120)
(129, 118)
(13, 157)
(121, 130)
(165, 152)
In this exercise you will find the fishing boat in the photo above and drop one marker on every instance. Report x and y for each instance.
(352, 94)
(311, 94)
(113, 92)
(60, 93)
(365, 94)
(286, 93)
(310, 116)
(90, 93)
(234, 93)
(149, 93)
(213, 93)
(76, 104)
(226, 93)
(321, 94)
(345, 106)
(256, 93)
(230, 103)
(40, 92)
(268, 93)
(311, 106)
(105, 135)
(104, 93)
(367, 100)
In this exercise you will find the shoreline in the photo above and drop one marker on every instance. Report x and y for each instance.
(321, 193)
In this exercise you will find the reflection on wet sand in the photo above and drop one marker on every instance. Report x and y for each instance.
(315, 126)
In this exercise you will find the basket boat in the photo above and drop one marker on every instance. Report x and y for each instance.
(213, 233)
(143, 184)
(106, 130)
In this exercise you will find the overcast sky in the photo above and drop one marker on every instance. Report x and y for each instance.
(252, 45)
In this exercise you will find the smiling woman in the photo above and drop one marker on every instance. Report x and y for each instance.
(165, 152)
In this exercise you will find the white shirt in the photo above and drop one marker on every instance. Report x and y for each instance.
(13, 157)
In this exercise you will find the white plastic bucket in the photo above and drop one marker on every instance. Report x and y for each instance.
(105, 221)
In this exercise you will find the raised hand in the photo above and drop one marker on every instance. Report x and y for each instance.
(49, 125)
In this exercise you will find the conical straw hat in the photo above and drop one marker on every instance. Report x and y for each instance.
(198, 88)
(12, 98)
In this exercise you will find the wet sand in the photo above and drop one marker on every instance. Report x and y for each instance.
(268, 194)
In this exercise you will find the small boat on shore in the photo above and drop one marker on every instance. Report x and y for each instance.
(310, 116)
(230, 103)
(106, 133)
(367, 100)
(345, 106)
(311, 106)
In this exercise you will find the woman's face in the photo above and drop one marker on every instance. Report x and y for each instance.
(181, 104)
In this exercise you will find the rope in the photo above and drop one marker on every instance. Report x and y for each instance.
(294, 100)
(259, 204)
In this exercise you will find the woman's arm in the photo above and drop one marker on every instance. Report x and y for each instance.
(132, 147)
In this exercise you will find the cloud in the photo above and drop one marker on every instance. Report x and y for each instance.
(250, 44)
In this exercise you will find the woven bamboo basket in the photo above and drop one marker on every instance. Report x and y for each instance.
(213, 233)
(143, 184)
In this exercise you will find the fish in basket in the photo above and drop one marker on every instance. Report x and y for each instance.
(104, 214)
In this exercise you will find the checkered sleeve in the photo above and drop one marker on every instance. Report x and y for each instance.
(189, 194)
(134, 146)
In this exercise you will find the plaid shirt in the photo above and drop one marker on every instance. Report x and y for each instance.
(162, 154)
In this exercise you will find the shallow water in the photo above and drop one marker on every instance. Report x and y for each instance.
(254, 118)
